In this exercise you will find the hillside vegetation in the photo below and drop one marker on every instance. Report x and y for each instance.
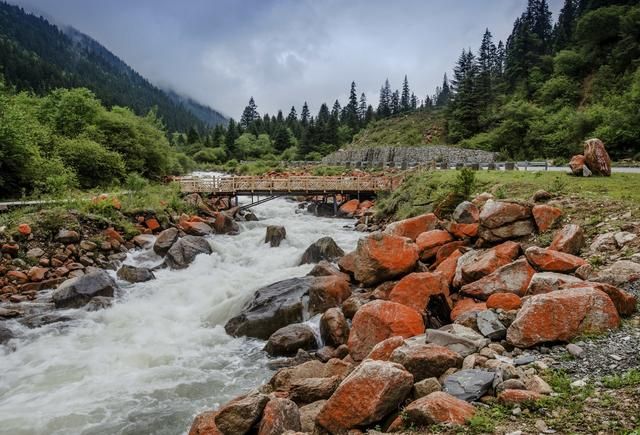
(407, 129)
(38, 56)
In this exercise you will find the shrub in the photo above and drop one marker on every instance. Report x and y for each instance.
(94, 164)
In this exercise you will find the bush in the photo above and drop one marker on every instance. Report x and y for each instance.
(210, 155)
(94, 164)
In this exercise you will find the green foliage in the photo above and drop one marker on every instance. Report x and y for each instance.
(100, 169)
(630, 378)
(210, 155)
(465, 183)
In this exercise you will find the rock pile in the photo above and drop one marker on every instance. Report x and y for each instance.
(422, 320)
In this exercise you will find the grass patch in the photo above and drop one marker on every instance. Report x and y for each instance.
(407, 129)
(628, 379)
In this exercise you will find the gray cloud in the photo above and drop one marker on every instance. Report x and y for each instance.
(285, 52)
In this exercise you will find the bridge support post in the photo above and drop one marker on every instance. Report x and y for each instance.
(335, 205)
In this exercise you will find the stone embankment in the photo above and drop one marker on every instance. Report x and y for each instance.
(403, 156)
(425, 319)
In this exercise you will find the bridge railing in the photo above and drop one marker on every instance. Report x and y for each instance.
(231, 185)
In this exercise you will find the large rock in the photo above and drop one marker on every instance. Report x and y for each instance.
(308, 414)
(239, 415)
(466, 213)
(5, 335)
(548, 260)
(349, 208)
(324, 268)
(454, 338)
(512, 230)
(496, 214)
(287, 340)
(184, 251)
(468, 385)
(205, 424)
(426, 360)
(545, 282)
(67, 236)
(197, 228)
(624, 302)
(412, 227)
(135, 274)
(322, 249)
(474, 265)
(490, 326)
(275, 235)
(287, 378)
(382, 257)
(510, 278)
(224, 223)
(545, 216)
(429, 242)
(504, 301)
(561, 316)
(379, 320)
(448, 267)
(569, 239)
(597, 158)
(280, 304)
(620, 273)
(77, 292)
(334, 328)
(416, 290)
(438, 408)
(577, 164)
(383, 350)
(165, 241)
(279, 416)
(310, 390)
(371, 392)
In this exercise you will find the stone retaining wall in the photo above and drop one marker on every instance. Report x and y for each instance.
(408, 156)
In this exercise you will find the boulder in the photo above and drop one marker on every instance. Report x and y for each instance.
(165, 240)
(512, 230)
(347, 264)
(426, 360)
(561, 316)
(510, 278)
(184, 251)
(324, 268)
(37, 274)
(596, 157)
(308, 414)
(416, 290)
(135, 274)
(504, 301)
(371, 392)
(468, 385)
(577, 164)
(356, 301)
(77, 292)
(490, 326)
(275, 235)
(429, 241)
(197, 228)
(326, 292)
(466, 213)
(624, 302)
(349, 208)
(279, 416)
(286, 378)
(447, 268)
(548, 260)
(67, 236)
(545, 216)
(5, 335)
(514, 397)
(224, 223)
(476, 264)
(438, 408)
(496, 214)
(381, 257)
(466, 305)
(239, 415)
(603, 243)
(545, 282)
(462, 231)
(287, 340)
(144, 241)
(204, 424)
(463, 344)
(322, 249)
(383, 350)
(379, 320)
(310, 390)
(620, 273)
(412, 227)
(334, 328)
(541, 196)
(569, 239)
(426, 387)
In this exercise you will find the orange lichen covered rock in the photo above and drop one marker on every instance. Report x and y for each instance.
(495, 214)
(448, 267)
(569, 239)
(381, 257)
(490, 260)
(279, 415)
(204, 424)
(545, 216)
(383, 350)
(504, 301)
(378, 320)
(416, 289)
(347, 263)
(513, 397)
(625, 302)
(561, 316)
(370, 393)
(465, 305)
(438, 408)
(510, 278)
(350, 207)
(548, 260)
(24, 229)
(576, 164)
(447, 249)
(462, 231)
(429, 240)
(413, 227)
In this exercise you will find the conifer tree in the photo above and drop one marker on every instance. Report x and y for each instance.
(444, 94)
(249, 114)
(336, 110)
(292, 116)
(362, 108)
(414, 101)
(230, 139)
(304, 115)
(563, 30)
(405, 98)
(351, 112)
(395, 102)
(485, 65)
(384, 105)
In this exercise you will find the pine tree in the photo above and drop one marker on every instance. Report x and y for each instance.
(362, 108)
(352, 118)
(444, 95)
(414, 101)
(384, 105)
(292, 116)
(370, 115)
(405, 99)
(335, 111)
(485, 65)
(464, 106)
(230, 139)
(304, 116)
(249, 114)
(395, 102)
(563, 30)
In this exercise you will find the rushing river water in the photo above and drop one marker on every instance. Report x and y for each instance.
(160, 354)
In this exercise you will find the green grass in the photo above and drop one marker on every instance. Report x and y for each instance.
(412, 129)
(628, 379)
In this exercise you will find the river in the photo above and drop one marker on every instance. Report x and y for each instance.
(160, 354)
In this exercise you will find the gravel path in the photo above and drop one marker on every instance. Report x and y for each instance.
(610, 354)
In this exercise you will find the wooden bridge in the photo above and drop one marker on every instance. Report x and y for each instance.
(289, 185)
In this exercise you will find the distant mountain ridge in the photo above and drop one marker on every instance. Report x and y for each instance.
(39, 56)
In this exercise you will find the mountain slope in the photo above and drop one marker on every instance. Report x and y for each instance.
(36, 55)
(204, 113)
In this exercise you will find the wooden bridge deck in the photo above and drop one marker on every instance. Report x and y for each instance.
(293, 185)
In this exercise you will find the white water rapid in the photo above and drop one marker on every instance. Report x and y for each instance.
(160, 354)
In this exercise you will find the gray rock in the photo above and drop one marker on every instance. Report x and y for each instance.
(144, 241)
(624, 237)
(460, 344)
(322, 249)
(308, 414)
(35, 253)
(39, 320)
(466, 213)
(198, 229)
(469, 385)
(334, 328)
(575, 350)
(5, 335)
(251, 217)
(426, 387)
(184, 251)
(76, 292)
(98, 303)
(238, 416)
(275, 235)
(135, 274)
(524, 360)
(287, 340)
(67, 236)
(165, 240)
(490, 326)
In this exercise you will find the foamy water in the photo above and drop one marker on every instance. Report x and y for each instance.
(160, 354)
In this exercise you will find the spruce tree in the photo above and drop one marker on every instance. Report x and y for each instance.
(292, 116)
(304, 116)
(230, 139)
(485, 65)
(395, 102)
(563, 30)
(362, 108)
(351, 114)
(405, 98)
(249, 114)
(335, 110)
(414, 101)
(384, 105)
(444, 94)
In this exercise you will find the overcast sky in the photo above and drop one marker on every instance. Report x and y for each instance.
(285, 52)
